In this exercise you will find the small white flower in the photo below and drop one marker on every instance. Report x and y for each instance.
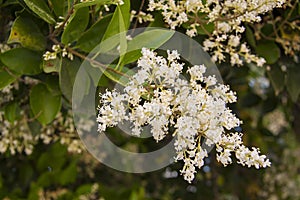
(195, 109)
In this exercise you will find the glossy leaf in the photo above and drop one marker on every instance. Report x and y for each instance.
(114, 25)
(123, 40)
(205, 28)
(149, 39)
(41, 8)
(27, 33)
(93, 36)
(52, 65)
(59, 7)
(115, 33)
(14, 60)
(77, 25)
(44, 104)
(6, 78)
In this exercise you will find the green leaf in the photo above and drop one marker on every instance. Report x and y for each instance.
(268, 50)
(23, 61)
(59, 7)
(149, 39)
(95, 74)
(57, 152)
(77, 25)
(293, 82)
(250, 37)
(83, 189)
(158, 20)
(118, 78)
(123, 41)
(34, 191)
(205, 28)
(27, 173)
(46, 179)
(267, 29)
(91, 3)
(53, 65)
(93, 36)
(121, 15)
(67, 76)
(277, 77)
(115, 33)
(82, 86)
(41, 8)
(52, 83)
(44, 105)
(27, 33)
(6, 78)
(12, 111)
(69, 174)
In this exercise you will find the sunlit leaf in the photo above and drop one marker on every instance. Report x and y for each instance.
(149, 39)
(77, 25)
(114, 25)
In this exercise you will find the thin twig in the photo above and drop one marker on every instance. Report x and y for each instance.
(70, 12)
(136, 21)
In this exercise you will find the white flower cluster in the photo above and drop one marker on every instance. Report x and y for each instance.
(57, 50)
(195, 109)
(17, 137)
(227, 18)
